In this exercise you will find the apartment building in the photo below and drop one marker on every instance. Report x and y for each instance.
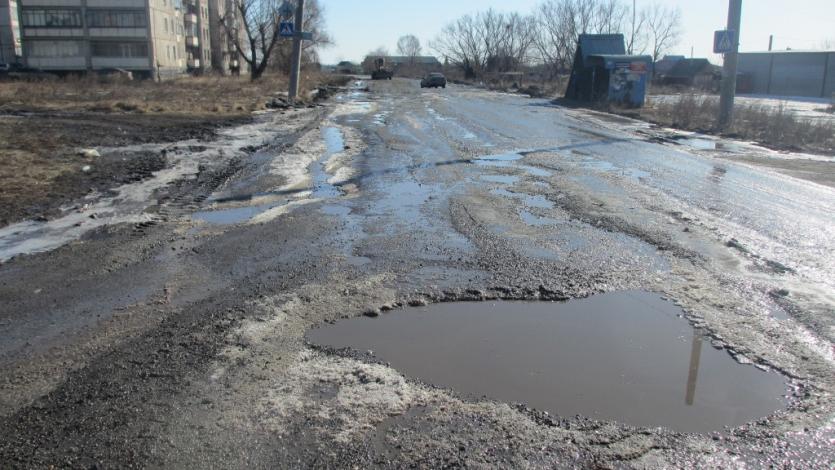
(10, 46)
(154, 38)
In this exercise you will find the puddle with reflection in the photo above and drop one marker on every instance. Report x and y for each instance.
(233, 216)
(625, 356)
(334, 143)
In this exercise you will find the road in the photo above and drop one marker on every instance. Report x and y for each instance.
(164, 324)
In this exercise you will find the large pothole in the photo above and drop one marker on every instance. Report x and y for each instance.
(627, 356)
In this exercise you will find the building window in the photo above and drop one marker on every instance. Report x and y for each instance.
(52, 18)
(117, 19)
(119, 49)
(165, 24)
(55, 49)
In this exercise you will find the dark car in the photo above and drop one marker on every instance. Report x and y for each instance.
(433, 80)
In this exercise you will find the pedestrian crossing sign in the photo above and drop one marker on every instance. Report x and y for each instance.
(286, 29)
(724, 41)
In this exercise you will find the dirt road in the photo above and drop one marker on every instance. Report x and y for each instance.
(170, 329)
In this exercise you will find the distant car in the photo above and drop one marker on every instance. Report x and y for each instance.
(433, 80)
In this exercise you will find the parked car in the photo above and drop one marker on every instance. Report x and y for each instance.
(433, 80)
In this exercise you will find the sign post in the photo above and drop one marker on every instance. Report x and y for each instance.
(729, 38)
(296, 61)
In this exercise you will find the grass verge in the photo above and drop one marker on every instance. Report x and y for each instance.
(774, 127)
(43, 124)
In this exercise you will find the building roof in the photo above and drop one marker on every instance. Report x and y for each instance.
(793, 51)
(687, 68)
(601, 44)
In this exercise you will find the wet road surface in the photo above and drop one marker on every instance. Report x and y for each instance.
(175, 335)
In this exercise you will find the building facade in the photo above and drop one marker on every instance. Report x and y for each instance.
(153, 38)
(10, 45)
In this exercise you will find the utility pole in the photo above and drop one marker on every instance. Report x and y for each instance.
(770, 42)
(296, 61)
(726, 100)
(632, 40)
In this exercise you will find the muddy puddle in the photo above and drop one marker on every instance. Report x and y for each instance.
(509, 160)
(627, 357)
(334, 144)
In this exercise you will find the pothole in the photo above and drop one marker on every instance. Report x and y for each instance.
(628, 357)
(334, 144)
(235, 215)
(508, 160)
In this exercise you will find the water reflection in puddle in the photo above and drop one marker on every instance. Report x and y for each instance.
(334, 143)
(233, 216)
(623, 356)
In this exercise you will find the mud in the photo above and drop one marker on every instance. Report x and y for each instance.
(627, 357)
(172, 342)
(54, 139)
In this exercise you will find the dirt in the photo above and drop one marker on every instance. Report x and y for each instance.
(180, 343)
(43, 169)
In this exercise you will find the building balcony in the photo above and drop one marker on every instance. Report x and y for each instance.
(190, 18)
(192, 41)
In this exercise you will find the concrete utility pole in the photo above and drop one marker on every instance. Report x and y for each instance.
(726, 101)
(632, 39)
(770, 42)
(296, 61)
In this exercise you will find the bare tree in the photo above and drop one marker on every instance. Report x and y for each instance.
(636, 41)
(313, 22)
(381, 51)
(409, 46)
(559, 23)
(252, 26)
(488, 41)
(663, 26)
(369, 63)
(460, 43)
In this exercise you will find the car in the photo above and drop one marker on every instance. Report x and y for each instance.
(433, 80)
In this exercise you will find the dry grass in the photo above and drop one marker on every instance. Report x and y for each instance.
(211, 94)
(44, 123)
(774, 127)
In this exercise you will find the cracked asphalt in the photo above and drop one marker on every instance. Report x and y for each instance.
(170, 332)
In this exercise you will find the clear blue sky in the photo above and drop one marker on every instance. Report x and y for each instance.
(359, 26)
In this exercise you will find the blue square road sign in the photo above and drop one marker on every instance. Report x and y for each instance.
(286, 29)
(724, 41)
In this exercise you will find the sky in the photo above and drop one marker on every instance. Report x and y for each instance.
(359, 26)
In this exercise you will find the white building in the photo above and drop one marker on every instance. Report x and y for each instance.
(10, 46)
(155, 38)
